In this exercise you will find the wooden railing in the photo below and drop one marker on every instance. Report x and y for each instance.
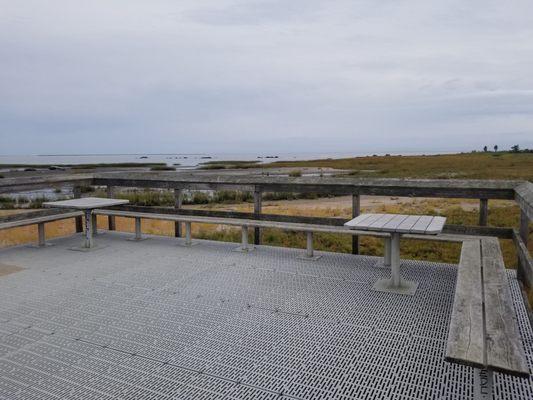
(483, 190)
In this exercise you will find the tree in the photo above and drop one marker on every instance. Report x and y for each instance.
(515, 148)
(495, 148)
(485, 149)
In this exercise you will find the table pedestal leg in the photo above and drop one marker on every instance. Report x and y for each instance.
(395, 284)
(88, 230)
(385, 263)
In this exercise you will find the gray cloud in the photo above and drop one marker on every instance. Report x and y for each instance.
(234, 75)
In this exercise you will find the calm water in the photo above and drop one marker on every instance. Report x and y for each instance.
(185, 160)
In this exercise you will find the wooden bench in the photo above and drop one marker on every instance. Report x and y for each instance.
(245, 224)
(39, 218)
(483, 332)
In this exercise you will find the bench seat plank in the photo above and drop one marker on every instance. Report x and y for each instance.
(465, 336)
(505, 351)
(39, 220)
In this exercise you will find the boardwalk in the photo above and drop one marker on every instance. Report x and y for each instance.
(152, 320)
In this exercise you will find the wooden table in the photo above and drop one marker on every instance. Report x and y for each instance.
(87, 204)
(396, 225)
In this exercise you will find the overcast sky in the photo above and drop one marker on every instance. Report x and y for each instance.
(264, 75)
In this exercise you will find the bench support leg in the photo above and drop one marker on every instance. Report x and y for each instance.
(386, 263)
(188, 236)
(40, 228)
(138, 231)
(309, 252)
(482, 384)
(90, 220)
(245, 248)
(395, 284)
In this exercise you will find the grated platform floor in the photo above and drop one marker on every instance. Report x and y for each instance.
(152, 320)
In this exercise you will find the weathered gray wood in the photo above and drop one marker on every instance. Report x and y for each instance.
(407, 224)
(525, 262)
(33, 219)
(76, 191)
(41, 234)
(86, 203)
(276, 224)
(422, 224)
(364, 222)
(379, 223)
(466, 343)
(258, 197)
(395, 222)
(356, 211)
(110, 218)
(435, 226)
(499, 232)
(524, 227)
(504, 348)
(524, 198)
(492, 189)
(483, 212)
(178, 200)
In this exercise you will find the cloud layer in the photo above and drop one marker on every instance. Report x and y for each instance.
(269, 75)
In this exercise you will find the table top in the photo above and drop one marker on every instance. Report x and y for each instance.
(398, 223)
(86, 203)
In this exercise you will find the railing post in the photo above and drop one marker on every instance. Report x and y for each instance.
(110, 218)
(258, 197)
(356, 210)
(178, 200)
(524, 227)
(76, 191)
(483, 212)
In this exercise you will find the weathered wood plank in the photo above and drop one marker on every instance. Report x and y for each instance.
(39, 219)
(466, 333)
(495, 231)
(490, 189)
(525, 262)
(435, 226)
(524, 198)
(407, 224)
(395, 222)
(364, 223)
(504, 348)
(378, 224)
(422, 224)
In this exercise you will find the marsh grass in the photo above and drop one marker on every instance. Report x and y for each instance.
(488, 165)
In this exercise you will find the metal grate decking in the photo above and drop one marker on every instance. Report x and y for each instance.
(152, 320)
